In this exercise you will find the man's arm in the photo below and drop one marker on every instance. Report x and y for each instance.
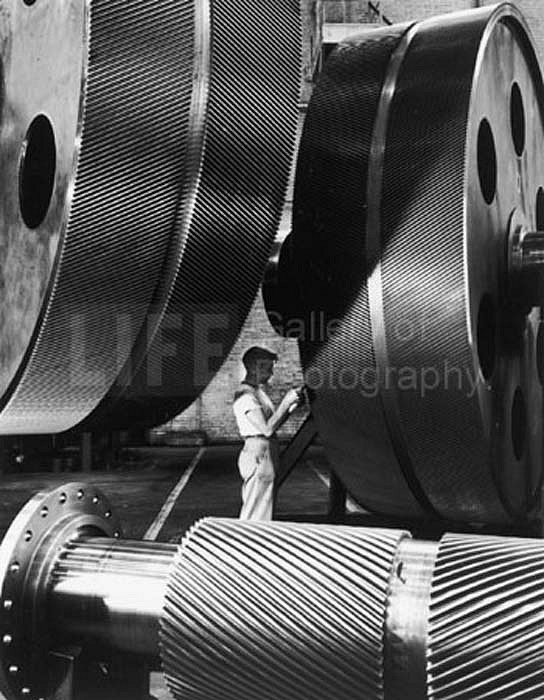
(287, 405)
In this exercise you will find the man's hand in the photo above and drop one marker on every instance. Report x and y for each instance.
(293, 398)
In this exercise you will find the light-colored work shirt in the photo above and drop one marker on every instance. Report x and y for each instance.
(249, 398)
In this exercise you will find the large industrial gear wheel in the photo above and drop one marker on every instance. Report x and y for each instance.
(420, 180)
(146, 149)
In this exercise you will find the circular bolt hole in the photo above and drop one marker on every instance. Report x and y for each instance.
(63, 498)
(517, 119)
(487, 331)
(80, 494)
(96, 500)
(487, 161)
(7, 639)
(25, 691)
(116, 535)
(37, 167)
(13, 670)
(44, 512)
(519, 424)
(14, 568)
(29, 2)
(8, 604)
(540, 209)
(107, 514)
(28, 535)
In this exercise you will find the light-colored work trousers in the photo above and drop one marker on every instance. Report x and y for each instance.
(257, 464)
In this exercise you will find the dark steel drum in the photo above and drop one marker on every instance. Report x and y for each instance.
(420, 168)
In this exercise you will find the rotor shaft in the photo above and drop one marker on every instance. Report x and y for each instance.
(110, 594)
(272, 611)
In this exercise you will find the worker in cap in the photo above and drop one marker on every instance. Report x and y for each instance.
(258, 420)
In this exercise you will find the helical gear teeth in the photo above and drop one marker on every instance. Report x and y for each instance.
(486, 621)
(277, 612)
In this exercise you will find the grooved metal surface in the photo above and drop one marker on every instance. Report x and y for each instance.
(120, 209)
(277, 611)
(422, 406)
(180, 166)
(486, 619)
(329, 254)
(423, 234)
(225, 232)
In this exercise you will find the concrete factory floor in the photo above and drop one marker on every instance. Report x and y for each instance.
(195, 482)
(160, 492)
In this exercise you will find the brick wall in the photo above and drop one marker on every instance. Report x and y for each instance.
(212, 412)
(402, 10)
(399, 11)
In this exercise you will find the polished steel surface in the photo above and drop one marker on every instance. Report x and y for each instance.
(532, 249)
(27, 557)
(421, 146)
(109, 595)
(406, 623)
(44, 66)
(525, 263)
(277, 610)
(508, 96)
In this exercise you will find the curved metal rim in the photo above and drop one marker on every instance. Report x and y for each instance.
(373, 249)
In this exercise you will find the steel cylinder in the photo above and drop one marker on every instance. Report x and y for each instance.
(419, 348)
(280, 611)
(107, 594)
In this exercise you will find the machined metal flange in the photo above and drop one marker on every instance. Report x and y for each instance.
(27, 556)
(418, 206)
